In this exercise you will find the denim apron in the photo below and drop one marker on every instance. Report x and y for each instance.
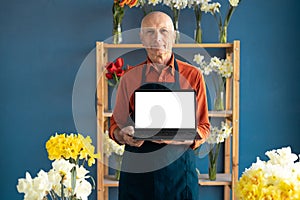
(158, 171)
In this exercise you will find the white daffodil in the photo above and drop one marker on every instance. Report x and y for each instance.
(24, 184)
(234, 3)
(154, 2)
(83, 189)
(110, 146)
(81, 172)
(198, 58)
(219, 135)
(62, 166)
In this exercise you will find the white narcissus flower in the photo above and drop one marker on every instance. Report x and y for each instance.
(81, 172)
(154, 2)
(62, 166)
(24, 184)
(219, 135)
(167, 2)
(198, 58)
(206, 70)
(110, 146)
(234, 3)
(41, 183)
(83, 189)
(282, 156)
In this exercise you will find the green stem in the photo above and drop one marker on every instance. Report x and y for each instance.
(198, 14)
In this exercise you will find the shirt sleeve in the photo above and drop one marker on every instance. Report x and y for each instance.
(203, 127)
(121, 113)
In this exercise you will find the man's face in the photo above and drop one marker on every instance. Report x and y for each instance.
(158, 36)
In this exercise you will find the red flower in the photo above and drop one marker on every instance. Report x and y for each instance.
(114, 70)
(119, 62)
(130, 3)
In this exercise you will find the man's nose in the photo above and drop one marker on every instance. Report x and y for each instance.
(157, 35)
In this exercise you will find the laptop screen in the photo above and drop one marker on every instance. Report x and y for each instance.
(159, 109)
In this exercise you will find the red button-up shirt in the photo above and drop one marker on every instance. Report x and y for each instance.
(190, 78)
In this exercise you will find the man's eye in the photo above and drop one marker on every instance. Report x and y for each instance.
(150, 32)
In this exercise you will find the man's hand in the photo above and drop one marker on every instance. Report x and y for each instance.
(125, 136)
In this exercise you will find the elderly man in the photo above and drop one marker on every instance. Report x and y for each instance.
(162, 169)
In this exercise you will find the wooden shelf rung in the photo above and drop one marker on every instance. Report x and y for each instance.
(225, 113)
(222, 179)
(186, 45)
(110, 181)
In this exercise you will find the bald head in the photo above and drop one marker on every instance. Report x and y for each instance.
(157, 17)
(158, 36)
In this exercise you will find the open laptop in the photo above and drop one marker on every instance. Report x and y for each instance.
(165, 115)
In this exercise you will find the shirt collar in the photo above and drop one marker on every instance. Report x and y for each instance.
(170, 65)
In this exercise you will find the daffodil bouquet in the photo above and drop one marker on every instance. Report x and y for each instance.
(67, 178)
(223, 68)
(277, 178)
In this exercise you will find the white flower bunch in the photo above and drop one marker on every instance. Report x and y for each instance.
(204, 4)
(277, 178)
(234, 3)
(49, 184)
(219, 135)
(111, 146)
(211, 7)
(153, 2)
(224, 67)
(178, 4)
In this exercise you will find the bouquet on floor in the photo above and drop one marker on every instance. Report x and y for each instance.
(67, 180)
(277, 178)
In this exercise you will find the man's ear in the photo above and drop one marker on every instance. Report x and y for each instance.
(141, 37)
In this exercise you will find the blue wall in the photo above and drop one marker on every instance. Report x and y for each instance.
(43, 43)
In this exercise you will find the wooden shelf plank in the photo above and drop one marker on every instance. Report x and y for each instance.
(225, 113)
(222, 179)
(186, 45)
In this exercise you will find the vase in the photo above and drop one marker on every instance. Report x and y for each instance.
(177, 33)
(198, 33)
(118, 159)
(223, 34)
(117, 33)
(219, 100)
(213, 158)
(198, 30)
(176, 13)
(212, 171)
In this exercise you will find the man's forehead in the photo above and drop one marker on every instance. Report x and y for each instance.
(156, 27)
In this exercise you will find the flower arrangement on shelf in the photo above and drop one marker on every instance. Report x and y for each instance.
(111, 147)
(114, 71)
(214, 9)
(216, 137)
(223, 68)
(176, 6)
(199, 6)
(145, 5)
(68, 177)
(277, 178)
(118, 11)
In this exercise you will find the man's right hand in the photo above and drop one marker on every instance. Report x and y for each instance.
(125, 136)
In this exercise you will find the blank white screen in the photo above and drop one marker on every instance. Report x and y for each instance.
(165, 109)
